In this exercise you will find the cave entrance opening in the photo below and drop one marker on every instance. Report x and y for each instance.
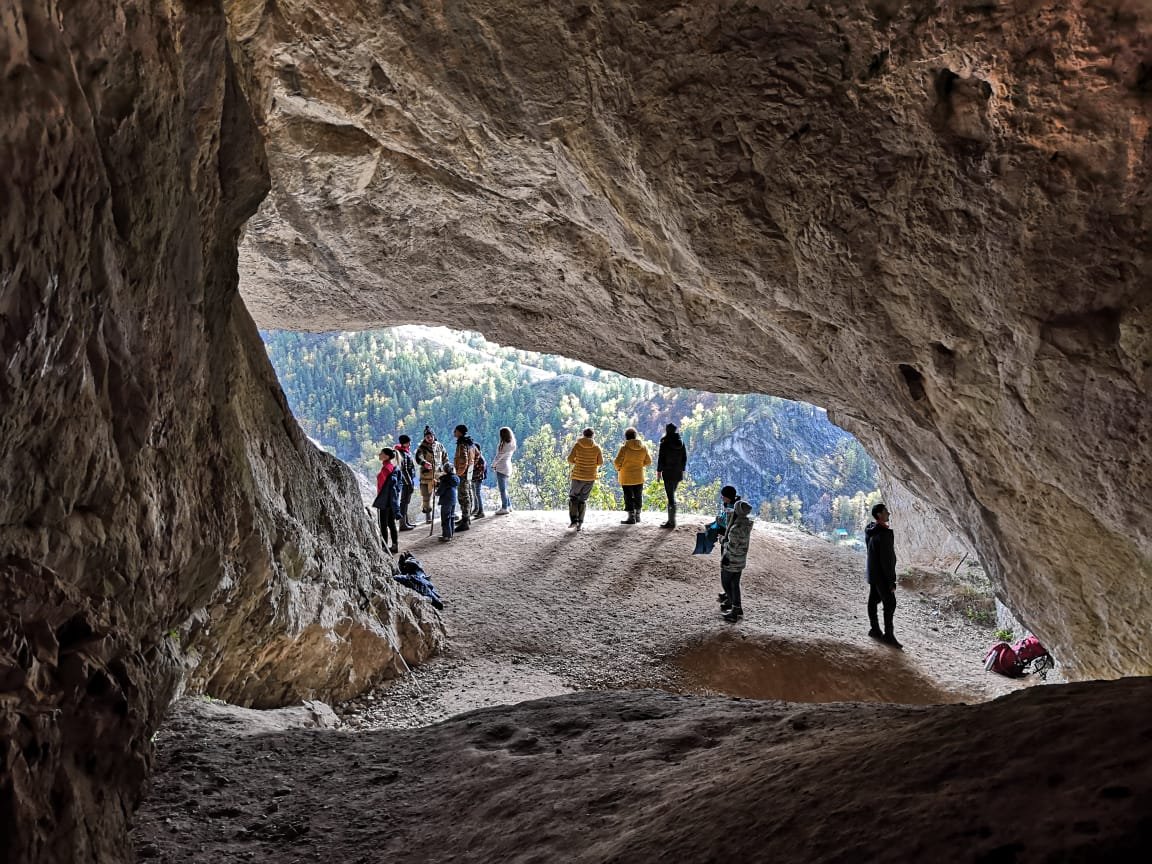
(533, 609)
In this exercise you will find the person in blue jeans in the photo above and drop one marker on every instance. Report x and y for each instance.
(446, 496)
(502, 465)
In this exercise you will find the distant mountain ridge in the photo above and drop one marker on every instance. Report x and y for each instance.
(355, 392)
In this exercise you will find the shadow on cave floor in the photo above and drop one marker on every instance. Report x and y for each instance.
(534, 610)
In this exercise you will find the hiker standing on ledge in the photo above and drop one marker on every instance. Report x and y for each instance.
(430, 455)
(464, 462)
(585, 459)
(881, 565)
(671, 461)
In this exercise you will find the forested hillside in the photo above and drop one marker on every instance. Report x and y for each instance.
(355, 392)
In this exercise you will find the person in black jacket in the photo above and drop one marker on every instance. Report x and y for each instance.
(671, 460)
(881, 567)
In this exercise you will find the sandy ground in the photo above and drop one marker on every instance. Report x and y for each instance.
(536, 610)
(617, 774)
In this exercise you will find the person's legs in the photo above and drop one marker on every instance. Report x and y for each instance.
(446, 524)
(465, 496)
(405, 503)
(670, 491)
(578, 493)
(731, 580)
(427, 490)
(390, 526)
(873, 602)
(888, 597)
(629, 504)
(726, 596)
(478, 502)
(502, 486)
(638, 500)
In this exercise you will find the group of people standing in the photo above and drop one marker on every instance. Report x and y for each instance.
(459, 480)
(444, 482)
(631, 462)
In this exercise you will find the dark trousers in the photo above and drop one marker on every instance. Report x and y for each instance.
(877, 594)
(730, 582)
(405, 503)
(670, 491)
(388, 525)
(633, 497)
(447, 526)
(464, 495)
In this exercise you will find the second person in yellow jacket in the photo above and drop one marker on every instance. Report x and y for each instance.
(630, 463)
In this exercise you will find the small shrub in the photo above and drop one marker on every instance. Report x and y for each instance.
(1004, 635)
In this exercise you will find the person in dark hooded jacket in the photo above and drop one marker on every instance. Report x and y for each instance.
(671, 461)
(881, 569)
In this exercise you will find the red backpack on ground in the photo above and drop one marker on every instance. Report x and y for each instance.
(1014, 660)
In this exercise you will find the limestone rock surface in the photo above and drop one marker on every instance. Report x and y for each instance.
(1058, 773)
(161, 514)
(931, 218)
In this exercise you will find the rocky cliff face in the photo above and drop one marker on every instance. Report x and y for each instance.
(159, 508)
(932, 219)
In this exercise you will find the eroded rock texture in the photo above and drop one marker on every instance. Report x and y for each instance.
(159, 508)
(932, 218)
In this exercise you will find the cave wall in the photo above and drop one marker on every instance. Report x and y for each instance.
(162, 519)
(931, 218)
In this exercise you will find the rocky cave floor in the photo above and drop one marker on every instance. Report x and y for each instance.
(1051, 773)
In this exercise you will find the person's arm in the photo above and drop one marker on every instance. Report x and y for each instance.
(647, 457)
(599, 457)
(616, 461)
(572, 455)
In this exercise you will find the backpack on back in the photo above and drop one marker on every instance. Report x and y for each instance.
(480, 468)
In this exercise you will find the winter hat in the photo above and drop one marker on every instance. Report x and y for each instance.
(428, 431)
(670, 428)
(728, 492)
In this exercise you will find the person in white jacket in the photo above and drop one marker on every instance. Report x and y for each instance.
(502, 465)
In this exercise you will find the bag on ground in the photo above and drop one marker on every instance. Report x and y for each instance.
(1013, 661)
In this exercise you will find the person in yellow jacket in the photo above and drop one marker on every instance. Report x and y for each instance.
(630, 463)
(585, 459)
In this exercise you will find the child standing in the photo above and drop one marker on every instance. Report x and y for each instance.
(446, 496)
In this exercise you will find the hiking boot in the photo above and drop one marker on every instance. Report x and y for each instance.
(407, 527)
(427, 518)
(734, 615)
(671, 523)
(503, 512)
(477, 515)
(725, 607)
(463, 525)
(875, 634)
(723, 598)
(890, 640)
(631, 520)
(445, 539)
(573, 524)
(394, 549)
(637, 514)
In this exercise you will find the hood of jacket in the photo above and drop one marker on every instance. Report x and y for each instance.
(464, 441)
(585, 443)
(673, 440)
(743, 508)
(633, 444)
